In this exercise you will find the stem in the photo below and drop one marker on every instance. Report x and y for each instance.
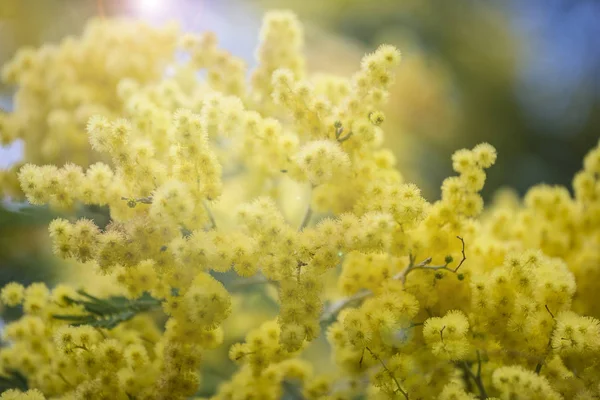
(61, 376)
(102, 333)
(254, 280)
(213, 223)
(425, 265)
(292, 390)
(338, 129)
(375, 356)
(334, 309)
(466, 377)
(464, 256)
(338, 306)
(307, 217)
(476, 378)
(540, 364)
(82, 348)
(344, 138)
(244, 355)
(143, 200)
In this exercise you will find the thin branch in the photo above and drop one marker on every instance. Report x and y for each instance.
(292, 390)
(466, 377)
(307, 215)
(540, 364)
(132, 202)
(425, 264)
(306, 219)
(61, 376)
(104, 334)
(213, 223)
(362, 357)
(344, 138)
(244, 355)
(81, 348)
(476, 378)
(375, 356)
(334, 309)
(538, 367)
(254, 280)
(464, 256)
(338, 129)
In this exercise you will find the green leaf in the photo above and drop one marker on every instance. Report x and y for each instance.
(14, 380)
(110, 312)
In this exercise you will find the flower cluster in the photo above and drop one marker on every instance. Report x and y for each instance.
(61, 86)
(215, 183)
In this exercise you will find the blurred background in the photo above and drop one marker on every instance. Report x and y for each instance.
(521, 75)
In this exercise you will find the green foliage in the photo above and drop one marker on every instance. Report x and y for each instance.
(110, 312)
(13, 379)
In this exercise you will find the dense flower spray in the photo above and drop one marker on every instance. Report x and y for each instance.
(417, 300)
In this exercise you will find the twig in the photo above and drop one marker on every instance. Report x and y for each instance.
(213, 223)
(425, 264)
(442, 333)
(466, 377)
(254, 280)
(344, 138)
(292, 390)
(334, 309)
(540, 364)
(306, 219)
(307, 215)
(244, 355)
(61, 376)
(476, 378)
(462, 250)
(375, 356)
(101, 332)
(339, 129)
(131, 202)
(478, 364)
